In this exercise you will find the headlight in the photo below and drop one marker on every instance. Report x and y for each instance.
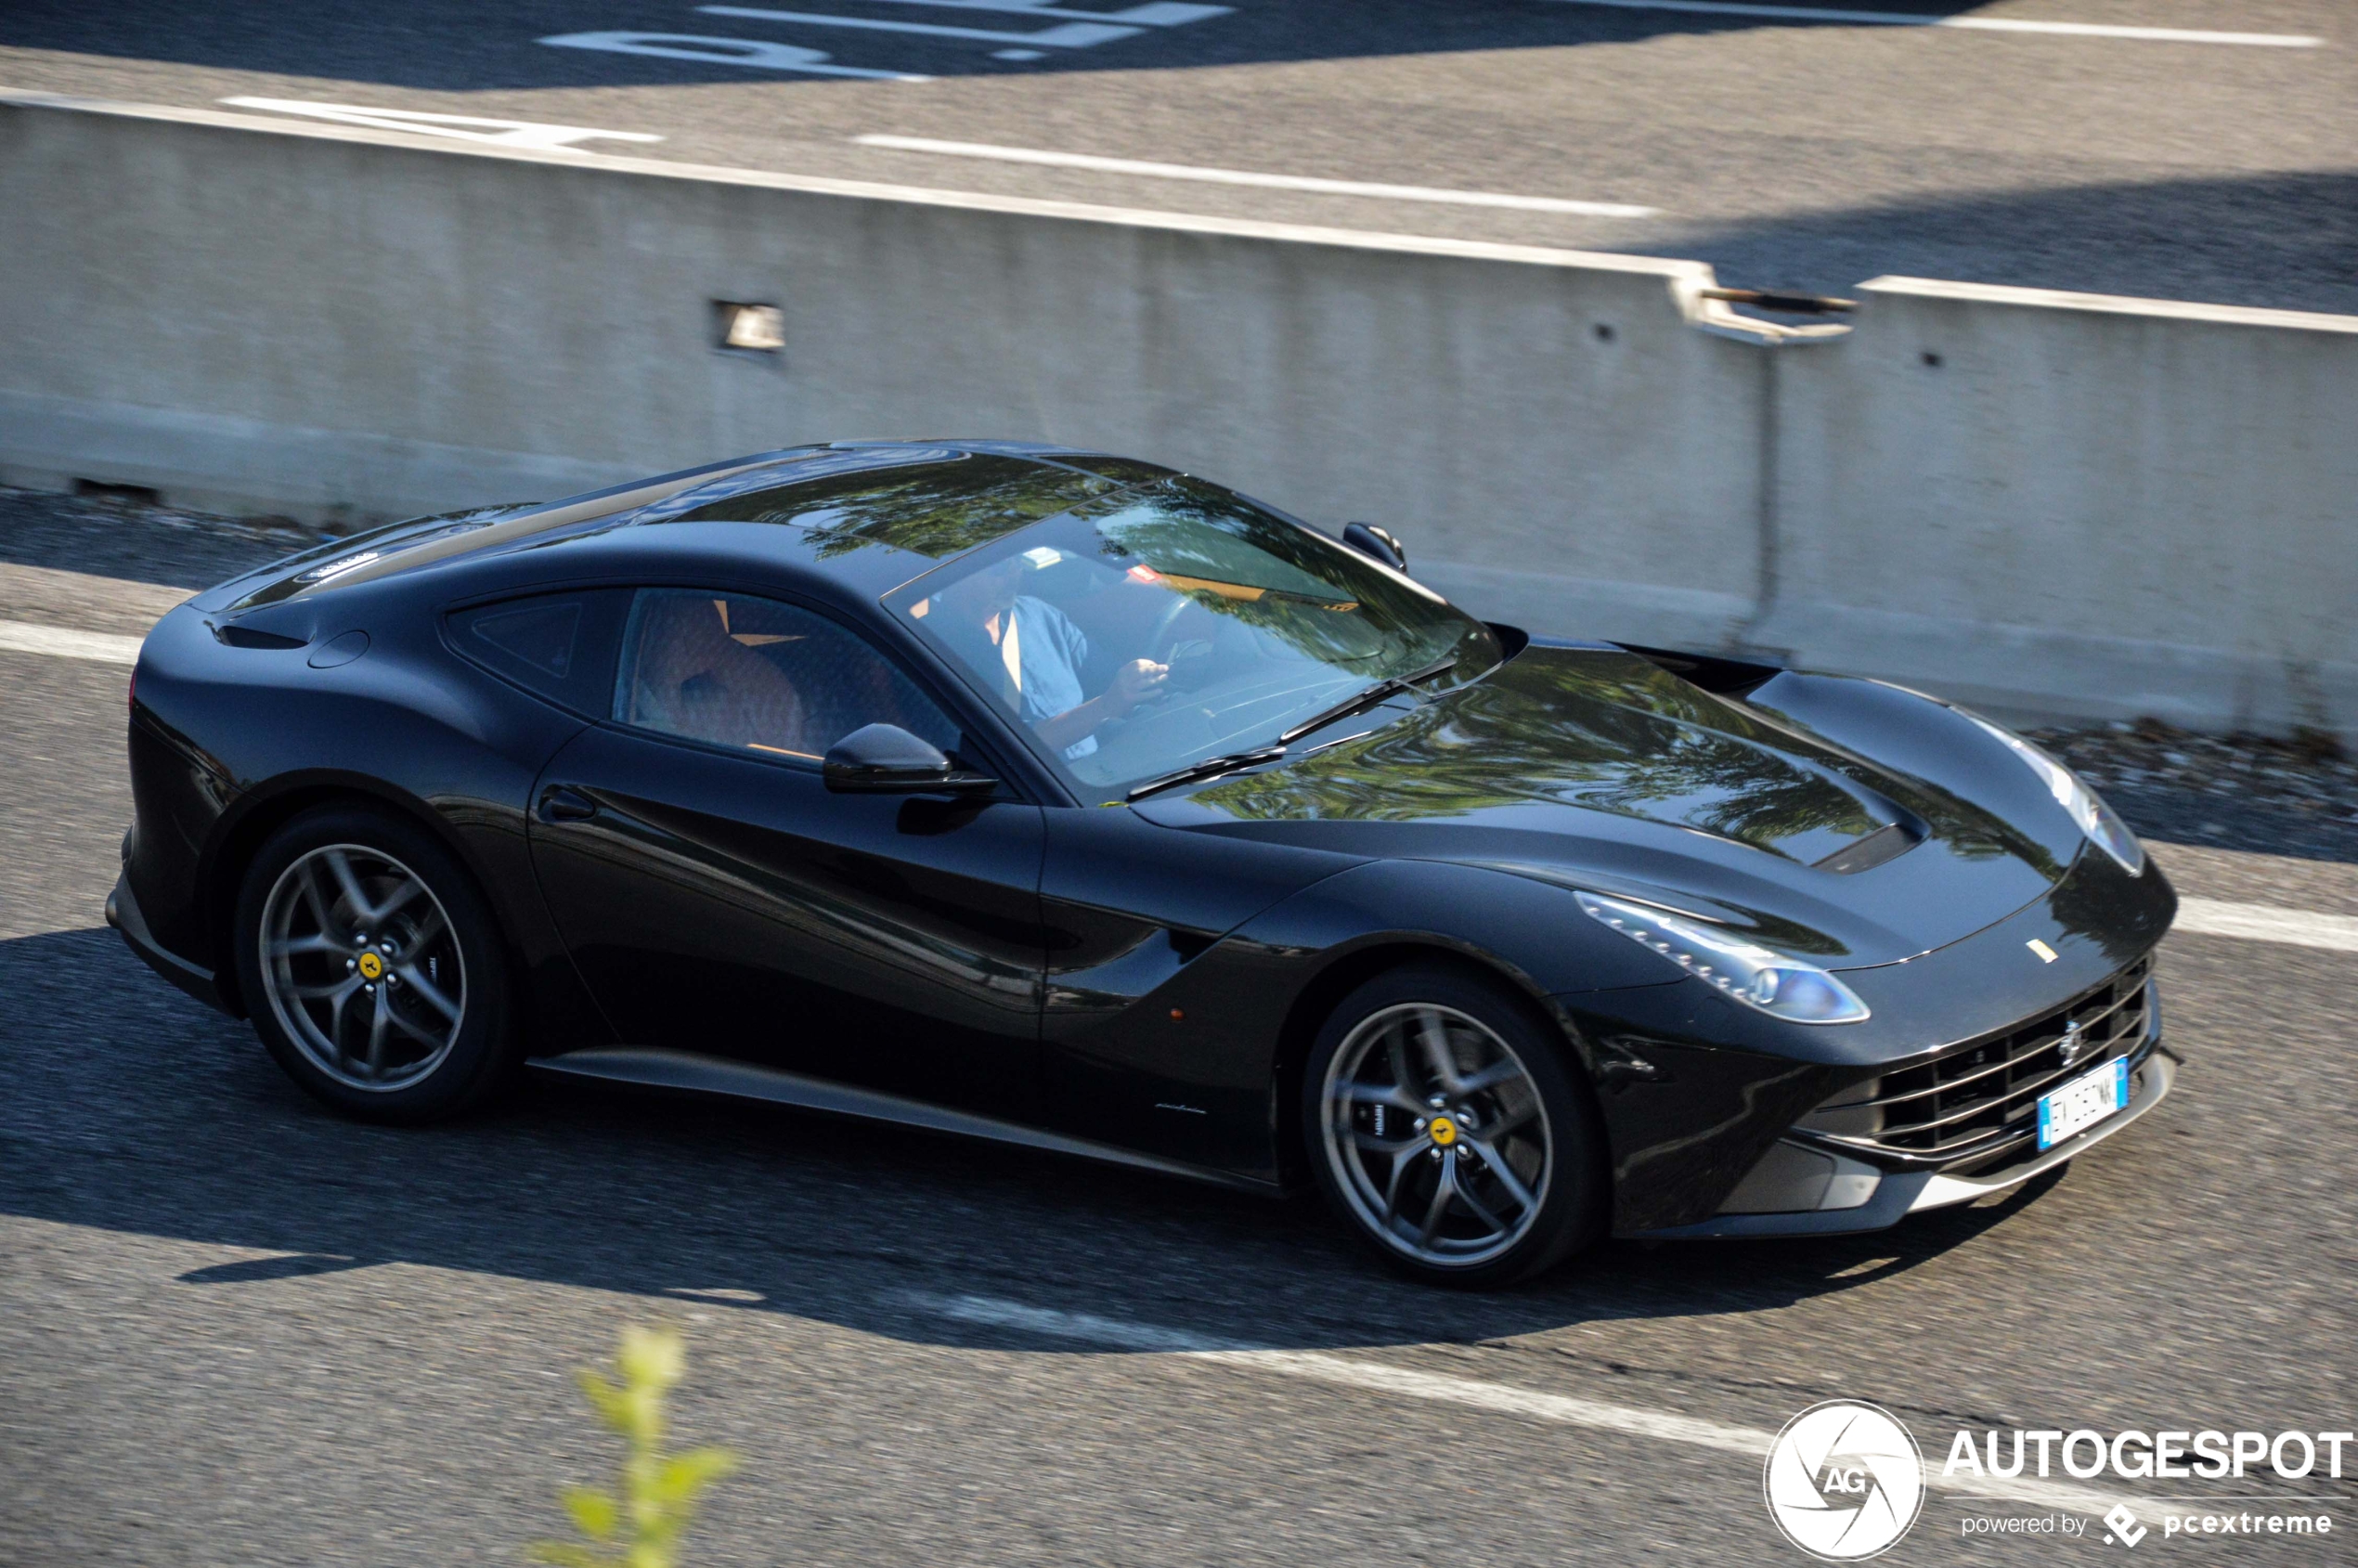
(1780, 986)
(2096, 820)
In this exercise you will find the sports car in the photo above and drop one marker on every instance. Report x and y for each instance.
(1060, 798)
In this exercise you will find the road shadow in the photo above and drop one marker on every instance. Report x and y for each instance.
(2276, 239)
(444, 46)
(125, 1107)
(2281, 240)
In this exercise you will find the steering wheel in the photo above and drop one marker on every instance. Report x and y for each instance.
(1161, 645)
(1156, 650)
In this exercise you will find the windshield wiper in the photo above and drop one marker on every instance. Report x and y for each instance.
(1211, 768)
(1234, 761)
(1391, 686)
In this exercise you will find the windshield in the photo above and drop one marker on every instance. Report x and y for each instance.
(1147, 631)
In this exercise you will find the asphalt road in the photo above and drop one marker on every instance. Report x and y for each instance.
(1792, 153)
(235, 1330)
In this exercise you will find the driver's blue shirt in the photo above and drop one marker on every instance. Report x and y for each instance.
(1050, 651)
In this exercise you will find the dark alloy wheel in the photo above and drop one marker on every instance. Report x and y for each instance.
(373, 967)
(1443, 1125)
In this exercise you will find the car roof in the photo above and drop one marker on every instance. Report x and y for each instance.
(872, 515)
(864, 515)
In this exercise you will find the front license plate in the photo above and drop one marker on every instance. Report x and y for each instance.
(2082, 1103)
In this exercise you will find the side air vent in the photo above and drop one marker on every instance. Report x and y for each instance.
(1726, 678)
(1865, 855)
(255, 637)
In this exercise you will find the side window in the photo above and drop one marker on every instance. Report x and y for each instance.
(740, 671)
(558, 644)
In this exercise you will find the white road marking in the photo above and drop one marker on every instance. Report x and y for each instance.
(1066, 35)
(1240, 177)
(22, 637)
(2264, 923)
(755, 53)
(499, 133)
(1661, 1426)
(1155, 13)
(1976, 24)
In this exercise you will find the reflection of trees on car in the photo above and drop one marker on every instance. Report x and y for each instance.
(1334, 609)
(1322, 631)
(938, 508)
(1235, 561)
(1639, 747)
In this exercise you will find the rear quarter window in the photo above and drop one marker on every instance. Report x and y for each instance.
(559, 647)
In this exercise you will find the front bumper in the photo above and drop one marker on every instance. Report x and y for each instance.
(123, 914)
(1894, 1195)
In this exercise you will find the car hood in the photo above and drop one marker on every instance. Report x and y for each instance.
(1590, 767)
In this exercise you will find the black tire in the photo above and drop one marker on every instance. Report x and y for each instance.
(460, 962)
(1352, 1142)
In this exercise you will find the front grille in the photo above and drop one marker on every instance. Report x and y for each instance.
(1980, 1097)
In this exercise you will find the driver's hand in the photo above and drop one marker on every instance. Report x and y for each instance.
(1134, 682)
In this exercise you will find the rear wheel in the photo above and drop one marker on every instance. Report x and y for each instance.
(372, 966)
(1445, 1129)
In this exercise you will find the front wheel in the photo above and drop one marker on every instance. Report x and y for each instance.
(372, 966)
(1445, 1128)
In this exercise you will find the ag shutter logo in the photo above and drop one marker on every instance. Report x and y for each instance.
(1845, 1481)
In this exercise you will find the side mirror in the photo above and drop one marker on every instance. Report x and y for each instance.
(1378, 544)
(888, 760)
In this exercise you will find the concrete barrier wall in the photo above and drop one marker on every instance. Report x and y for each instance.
(343, 324)
(2076, 504)
(319, 319)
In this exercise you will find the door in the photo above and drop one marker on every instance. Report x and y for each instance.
(719, 898)
(1157, 1034)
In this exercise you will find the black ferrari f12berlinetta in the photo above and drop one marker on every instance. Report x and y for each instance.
(1060, 798)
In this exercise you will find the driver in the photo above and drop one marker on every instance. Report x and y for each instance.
(1039, 653)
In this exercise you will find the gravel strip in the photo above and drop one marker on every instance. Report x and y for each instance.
(120, 536)
(2297, 797)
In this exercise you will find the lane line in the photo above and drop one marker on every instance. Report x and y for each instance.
(1976, 24)
(1065, 35)
(1752, 1443)
(463, 127)
(2265, 922)
(1154, 13)
(23, 637)
(1240, 177)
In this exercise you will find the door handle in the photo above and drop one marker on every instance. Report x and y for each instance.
(562, 805)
